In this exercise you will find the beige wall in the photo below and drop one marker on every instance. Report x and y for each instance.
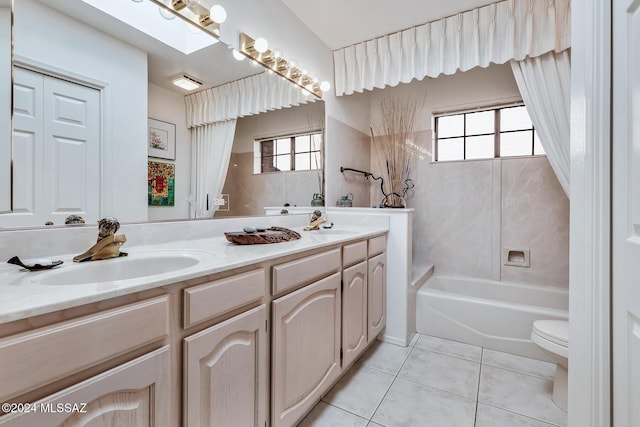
(350, 148)
(169, 106)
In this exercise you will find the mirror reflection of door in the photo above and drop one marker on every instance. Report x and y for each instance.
(56, 150)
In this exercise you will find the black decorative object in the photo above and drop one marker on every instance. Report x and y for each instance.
(408, 185)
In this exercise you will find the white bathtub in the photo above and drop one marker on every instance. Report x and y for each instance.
(495, 315)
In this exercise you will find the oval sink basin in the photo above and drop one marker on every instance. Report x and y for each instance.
(118, 269)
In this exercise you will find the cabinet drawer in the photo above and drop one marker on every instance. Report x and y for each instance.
(305, 270)
(377, 245)
(354, 253)
(213, 299)
(36, 358)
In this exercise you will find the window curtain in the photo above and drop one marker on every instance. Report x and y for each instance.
(497, 33)
(544, 83)
(244, 97)
(211, 151)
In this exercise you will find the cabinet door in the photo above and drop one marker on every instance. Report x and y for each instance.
(354, 312)
(306, 348)
(225, 380)
(377, 295)
(134, 394)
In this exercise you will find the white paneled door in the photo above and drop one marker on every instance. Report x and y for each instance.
(626, 213)
(56, 150)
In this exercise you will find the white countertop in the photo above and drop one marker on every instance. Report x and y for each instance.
(22, 294)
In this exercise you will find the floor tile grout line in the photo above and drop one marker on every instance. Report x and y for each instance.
(511, 411)
(447, 354)
(382, 400)
(518, 372)
(475, 415)
(432, 386)
(437, 389)
(395, 377)
(344, 410)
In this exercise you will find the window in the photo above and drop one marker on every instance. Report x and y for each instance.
(290, 153)
(498, 132)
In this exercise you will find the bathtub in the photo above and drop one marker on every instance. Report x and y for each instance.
(495, 315)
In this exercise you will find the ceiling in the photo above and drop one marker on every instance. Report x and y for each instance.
(340, 23)
(337, 23)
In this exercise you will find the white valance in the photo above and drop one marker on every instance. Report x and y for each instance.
(244, 97)
(497, 33)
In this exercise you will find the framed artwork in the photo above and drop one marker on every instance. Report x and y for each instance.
(161, 139)
(161, 184)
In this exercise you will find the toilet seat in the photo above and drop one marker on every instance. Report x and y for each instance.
(552, 335)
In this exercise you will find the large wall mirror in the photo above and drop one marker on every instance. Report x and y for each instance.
(80, 73)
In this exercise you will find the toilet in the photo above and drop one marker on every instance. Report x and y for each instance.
(553, 336)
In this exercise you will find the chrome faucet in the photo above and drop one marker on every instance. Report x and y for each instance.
(108, 244)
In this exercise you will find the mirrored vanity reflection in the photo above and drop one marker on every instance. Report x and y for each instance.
(85, 85)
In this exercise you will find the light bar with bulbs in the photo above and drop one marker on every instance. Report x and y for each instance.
(258, 50)
(194, 13)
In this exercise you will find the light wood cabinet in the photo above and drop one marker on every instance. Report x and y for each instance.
(78, 344)
(221, 362)
(225, 380)
(134, 394)
(354, 312)
(377, 295)
(306, 348)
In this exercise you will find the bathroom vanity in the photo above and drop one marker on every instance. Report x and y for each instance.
(253, 341)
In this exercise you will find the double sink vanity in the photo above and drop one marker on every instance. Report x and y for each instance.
(191, 331)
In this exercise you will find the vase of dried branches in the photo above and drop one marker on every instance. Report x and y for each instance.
(395, 145)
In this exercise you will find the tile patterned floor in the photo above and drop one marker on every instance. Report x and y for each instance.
(440, 383)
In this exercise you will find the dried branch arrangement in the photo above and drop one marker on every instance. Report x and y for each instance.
(394, 146)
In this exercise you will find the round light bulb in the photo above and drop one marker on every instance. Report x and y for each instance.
(293, 63)
(218, 14)
(325, 86)
(238, 55)
(166, 14)
(261, 45)
(304, 71)
(277, 54)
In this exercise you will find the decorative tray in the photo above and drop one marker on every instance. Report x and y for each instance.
(269, 235)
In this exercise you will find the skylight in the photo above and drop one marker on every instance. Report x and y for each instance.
(145, 16)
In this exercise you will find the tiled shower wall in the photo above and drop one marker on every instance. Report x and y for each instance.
(467, 212)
